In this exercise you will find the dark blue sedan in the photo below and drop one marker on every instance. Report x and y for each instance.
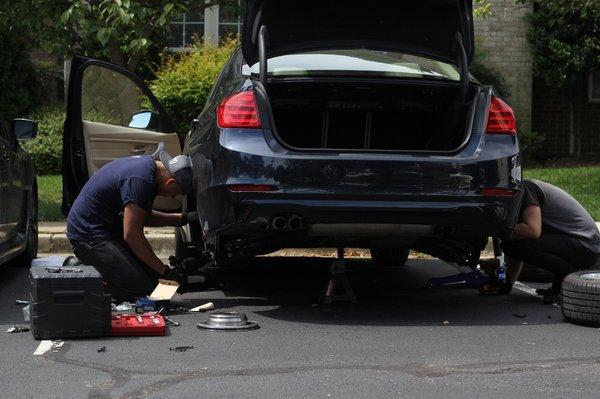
(356, 125)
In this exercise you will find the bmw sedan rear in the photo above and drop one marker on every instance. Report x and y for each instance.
(355, 131)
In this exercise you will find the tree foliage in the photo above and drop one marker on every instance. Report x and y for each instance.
(564, 38)
(184, 81)
(120, 30)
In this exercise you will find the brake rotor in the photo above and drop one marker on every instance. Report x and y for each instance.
(228, 321)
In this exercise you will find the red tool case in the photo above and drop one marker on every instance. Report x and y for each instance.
(147, 324)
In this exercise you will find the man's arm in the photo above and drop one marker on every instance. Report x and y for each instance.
(133, 233)
(161, 219)
(531, 225)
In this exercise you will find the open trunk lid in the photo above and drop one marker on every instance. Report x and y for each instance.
(421, 27)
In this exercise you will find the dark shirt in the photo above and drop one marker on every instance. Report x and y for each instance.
(561, 213)
(98, 210)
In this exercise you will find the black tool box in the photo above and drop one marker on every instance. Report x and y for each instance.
(68, 302)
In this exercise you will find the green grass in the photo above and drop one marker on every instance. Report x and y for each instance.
(50, 197)
(583, 183)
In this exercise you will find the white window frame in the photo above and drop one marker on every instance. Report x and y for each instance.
(184, 46)
(594, 75)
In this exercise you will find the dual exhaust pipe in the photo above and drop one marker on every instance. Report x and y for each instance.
(292, 223)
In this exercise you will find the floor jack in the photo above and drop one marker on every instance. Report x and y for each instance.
(489, 272)
(339, 288)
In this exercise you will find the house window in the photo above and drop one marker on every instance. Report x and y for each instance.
(189, 27)
(594, 86)
(185, 29)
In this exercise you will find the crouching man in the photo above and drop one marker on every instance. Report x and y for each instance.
(554, 232)
(106, 223)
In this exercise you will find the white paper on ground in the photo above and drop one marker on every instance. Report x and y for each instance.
(47, 345)
(165, 290)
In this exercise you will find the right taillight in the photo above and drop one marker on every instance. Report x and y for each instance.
(239, 110)
(501, 118)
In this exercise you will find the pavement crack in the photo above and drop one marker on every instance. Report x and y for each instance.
(415, 369)
(120, 376)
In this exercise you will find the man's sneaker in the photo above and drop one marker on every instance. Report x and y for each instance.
(548, 291)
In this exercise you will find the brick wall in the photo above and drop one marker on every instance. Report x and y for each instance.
(503, 37)
(551, 117)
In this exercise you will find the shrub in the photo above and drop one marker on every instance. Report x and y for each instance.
(20, 86)
(531, 143)
(184, 81)
(46, 148)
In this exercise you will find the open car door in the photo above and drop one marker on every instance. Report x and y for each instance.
(111, 114)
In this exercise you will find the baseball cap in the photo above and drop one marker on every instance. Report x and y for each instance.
(180, 168)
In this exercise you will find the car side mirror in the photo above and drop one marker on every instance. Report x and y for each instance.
(24, 129)
(143, 120)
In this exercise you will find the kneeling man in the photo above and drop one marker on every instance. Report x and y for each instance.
(554, 233)
(106, 223)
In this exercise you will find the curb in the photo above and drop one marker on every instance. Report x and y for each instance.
(52, 239)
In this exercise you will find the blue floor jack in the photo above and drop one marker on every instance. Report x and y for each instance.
(488, 272)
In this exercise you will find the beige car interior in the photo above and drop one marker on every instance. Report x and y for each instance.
(109, 99)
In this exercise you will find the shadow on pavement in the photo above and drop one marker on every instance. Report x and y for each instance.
(290, 288)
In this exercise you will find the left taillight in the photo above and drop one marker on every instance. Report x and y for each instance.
(239, 111)
(501, 118)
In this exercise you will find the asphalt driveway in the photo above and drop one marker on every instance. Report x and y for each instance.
(401, 340)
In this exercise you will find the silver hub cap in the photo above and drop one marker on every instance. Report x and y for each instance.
(228, 321)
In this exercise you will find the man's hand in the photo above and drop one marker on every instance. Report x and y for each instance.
(173, 274)
(134, 219)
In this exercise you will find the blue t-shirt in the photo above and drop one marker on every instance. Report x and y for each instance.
(98, 210)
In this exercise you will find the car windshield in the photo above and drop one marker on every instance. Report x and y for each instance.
(358, 62)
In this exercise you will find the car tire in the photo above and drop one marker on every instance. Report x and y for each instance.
(389, 256)
(581, 298)
(30, 252)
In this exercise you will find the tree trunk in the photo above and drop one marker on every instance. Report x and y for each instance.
(117, 56)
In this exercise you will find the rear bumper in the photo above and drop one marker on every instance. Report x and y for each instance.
(403, 189)
(252, 214)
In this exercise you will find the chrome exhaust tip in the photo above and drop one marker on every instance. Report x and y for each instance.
(279, 223)
(294, 223)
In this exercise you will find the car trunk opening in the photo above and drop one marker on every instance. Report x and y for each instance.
(371, 116)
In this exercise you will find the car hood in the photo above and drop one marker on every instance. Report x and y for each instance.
(422, 27)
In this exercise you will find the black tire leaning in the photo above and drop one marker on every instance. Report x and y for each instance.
(390, 256)
(581, 298)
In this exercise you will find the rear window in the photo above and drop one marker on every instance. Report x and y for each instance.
(357, 63)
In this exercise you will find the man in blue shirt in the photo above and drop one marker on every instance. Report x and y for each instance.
(106, 222)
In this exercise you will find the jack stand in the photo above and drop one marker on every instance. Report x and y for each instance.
(339, 279)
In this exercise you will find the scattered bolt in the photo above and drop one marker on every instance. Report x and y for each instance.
(102, 349)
